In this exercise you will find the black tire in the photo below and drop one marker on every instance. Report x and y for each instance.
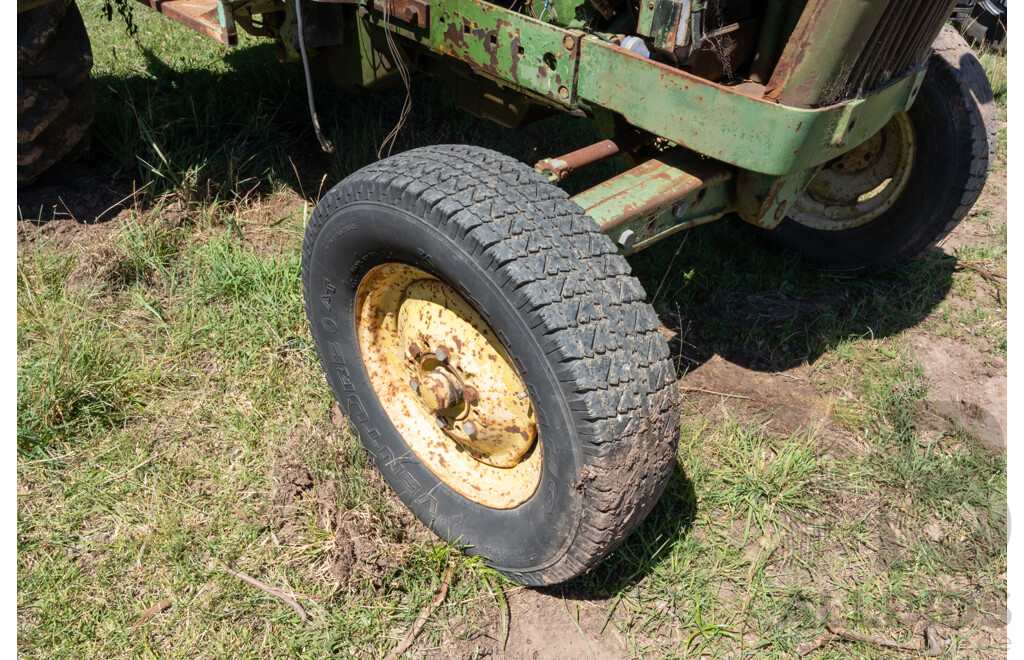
(986, 25)
(56, 106)
(575, 322)
(954, 124)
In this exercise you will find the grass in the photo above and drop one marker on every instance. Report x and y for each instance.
(172, 414)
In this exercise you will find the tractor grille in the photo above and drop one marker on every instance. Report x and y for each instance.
(902, 39)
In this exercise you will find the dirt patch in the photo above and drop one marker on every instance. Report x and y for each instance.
(265, 223)
(354, 548)
(787, 399)
(538, 626)
(82, 193)
(62, 233)
(965, 385)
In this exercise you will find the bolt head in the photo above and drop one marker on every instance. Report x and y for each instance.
(469, 428)
(627, 238)
(568, 42)
(441, 354)
(563, 93)
(414, 350)
(470, 394)
(415, 385)
(440, 421)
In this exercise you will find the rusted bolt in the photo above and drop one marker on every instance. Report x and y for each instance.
(469, 428)
(568, 42)
(563, 93)
(414, 384)
(627, 238)
(414, 350)
(470, 394)
(441, 354)
(781, 211)
(441, 422)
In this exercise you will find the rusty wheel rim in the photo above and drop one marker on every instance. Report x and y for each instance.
(448, 385)
(861, 185)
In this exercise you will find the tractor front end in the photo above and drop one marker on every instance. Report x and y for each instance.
(482, 329)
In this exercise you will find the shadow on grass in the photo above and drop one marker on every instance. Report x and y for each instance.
(727, 290)
(221, 135)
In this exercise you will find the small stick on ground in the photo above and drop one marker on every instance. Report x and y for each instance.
(701, 389)
(852, 635)
(421, 620)
(153, 609)
(816, 643)
(273, 591)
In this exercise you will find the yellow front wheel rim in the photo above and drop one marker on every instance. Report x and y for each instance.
(448, 385)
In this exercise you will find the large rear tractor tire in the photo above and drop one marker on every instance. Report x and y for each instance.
(501, 365)
(907, 187)
(56, 106)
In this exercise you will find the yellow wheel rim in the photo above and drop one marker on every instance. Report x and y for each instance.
(448, 385)
(859, 186)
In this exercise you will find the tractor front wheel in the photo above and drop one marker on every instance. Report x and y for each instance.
(502, 367)
(906, 187)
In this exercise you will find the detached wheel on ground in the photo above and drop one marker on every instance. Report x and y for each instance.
(500, 363)
(904, 189)
(56, 106)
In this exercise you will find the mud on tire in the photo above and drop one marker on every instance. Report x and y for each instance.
(565, 307)
(56, 106)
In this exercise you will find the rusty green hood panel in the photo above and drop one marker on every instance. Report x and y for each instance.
(719, 122)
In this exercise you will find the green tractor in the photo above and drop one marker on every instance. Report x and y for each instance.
(481, 328)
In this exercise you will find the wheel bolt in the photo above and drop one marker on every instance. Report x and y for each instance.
(470, 394)
(440, 421)
(415, 385)
(469, 428)
(441, 354)
(414, 350)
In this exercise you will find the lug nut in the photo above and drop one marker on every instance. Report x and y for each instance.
(441, 354)
(469, 428)
(440, 421)
(470, 394)
(414, 350)
(415, 385)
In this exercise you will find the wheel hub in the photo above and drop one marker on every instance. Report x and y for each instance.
(448, 385)
(862, 184)
(439, 391)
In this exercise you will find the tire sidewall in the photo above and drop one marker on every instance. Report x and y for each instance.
(358, 236)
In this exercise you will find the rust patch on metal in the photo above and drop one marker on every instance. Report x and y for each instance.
(556, 169)
(416, 12)
(456, 402)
